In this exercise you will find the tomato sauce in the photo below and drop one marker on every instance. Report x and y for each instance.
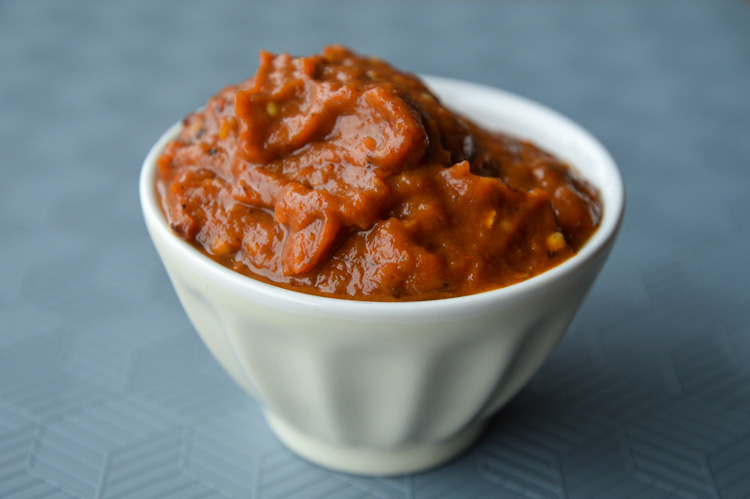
(338, 175)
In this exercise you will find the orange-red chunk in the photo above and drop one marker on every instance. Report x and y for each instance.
(335, 174)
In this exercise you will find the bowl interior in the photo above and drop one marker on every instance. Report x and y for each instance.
(495, 109)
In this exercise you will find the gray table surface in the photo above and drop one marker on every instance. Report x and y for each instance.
(105, 389)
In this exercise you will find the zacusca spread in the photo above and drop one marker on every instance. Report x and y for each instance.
(337, 175)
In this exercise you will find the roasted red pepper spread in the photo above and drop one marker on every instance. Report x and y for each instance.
(337, 175)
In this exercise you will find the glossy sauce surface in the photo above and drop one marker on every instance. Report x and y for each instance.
(337, 175)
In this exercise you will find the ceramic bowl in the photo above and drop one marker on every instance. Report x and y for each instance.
(389, 388)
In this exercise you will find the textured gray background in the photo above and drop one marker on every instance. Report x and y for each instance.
(106, 391)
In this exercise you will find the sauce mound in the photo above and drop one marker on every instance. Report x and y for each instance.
(337, 175)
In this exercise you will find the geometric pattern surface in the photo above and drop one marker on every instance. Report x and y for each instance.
(105, 389)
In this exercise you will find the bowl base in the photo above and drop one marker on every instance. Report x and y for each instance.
(371, 461)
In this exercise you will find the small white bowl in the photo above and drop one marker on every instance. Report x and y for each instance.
(388, 388)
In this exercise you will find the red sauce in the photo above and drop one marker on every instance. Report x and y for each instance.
(337, 175)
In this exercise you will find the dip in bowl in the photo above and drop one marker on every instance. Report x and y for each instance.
(400, 372)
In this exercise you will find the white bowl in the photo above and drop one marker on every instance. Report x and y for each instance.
(388, 388)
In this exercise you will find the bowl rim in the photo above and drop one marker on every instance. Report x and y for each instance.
(613, 200)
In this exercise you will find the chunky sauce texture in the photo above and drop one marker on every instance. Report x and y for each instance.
(337, 175)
